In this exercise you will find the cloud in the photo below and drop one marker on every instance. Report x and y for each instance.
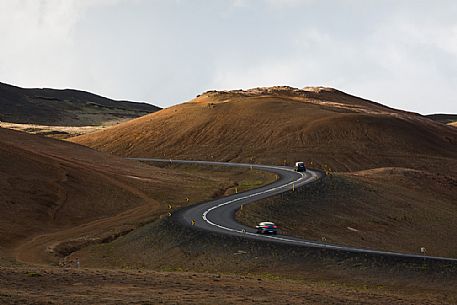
(288, 3)
(38, 44)
(403, 53)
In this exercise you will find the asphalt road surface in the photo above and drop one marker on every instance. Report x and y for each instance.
(219, 215)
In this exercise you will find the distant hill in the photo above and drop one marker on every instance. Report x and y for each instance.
(321, 126)
(450, 119)
(64, 107)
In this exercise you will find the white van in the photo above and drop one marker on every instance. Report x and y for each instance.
(300, 167)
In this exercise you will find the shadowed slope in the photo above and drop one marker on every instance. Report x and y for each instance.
(393, 209)
(47, 184)
(450, 119)
(64, 107)
(57, 196)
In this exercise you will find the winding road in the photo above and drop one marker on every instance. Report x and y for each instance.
(219, 215)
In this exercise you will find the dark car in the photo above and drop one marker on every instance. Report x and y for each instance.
(267, 228)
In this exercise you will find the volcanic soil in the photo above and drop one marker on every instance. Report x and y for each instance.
(57, 197)
(392, 209)
(100, 286)
(398, 190)
(279, 125)
(398, 167)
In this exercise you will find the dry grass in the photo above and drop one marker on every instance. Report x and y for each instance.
(68, 197)
(328, 129)
(56, 132)
(392, 209)
(98, 286)
(56, 197)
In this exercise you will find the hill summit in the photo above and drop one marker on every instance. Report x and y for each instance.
(280, 125)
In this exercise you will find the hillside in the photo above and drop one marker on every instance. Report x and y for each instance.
(393, 209)
(450, 119)
(64, 107)
(322, 126)
(56, 196)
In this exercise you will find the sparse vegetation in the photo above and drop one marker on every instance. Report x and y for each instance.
(111, 213)
(56, 132)
(69, 197)
(34, 274)
(393, 209)
(101, 286)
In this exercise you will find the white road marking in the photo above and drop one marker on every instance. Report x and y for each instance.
(312, 178)
(303, 242)
(308, 243)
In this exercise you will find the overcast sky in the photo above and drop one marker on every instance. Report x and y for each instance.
(400, 53)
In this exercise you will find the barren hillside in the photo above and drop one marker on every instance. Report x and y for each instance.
(64, 107)
(57, 196)
(393, 209)
(282, 124)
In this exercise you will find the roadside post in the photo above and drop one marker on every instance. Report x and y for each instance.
(423, 251)
(170, 207)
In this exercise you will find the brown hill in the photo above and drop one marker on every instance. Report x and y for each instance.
(282, 124)
(64, 107)
(48, 185)
(56, 196)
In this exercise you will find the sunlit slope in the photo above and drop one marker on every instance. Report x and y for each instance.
(282, 124)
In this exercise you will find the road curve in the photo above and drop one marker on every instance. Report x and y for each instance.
(219, 215)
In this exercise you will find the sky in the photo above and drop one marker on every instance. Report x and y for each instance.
(399, 53)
